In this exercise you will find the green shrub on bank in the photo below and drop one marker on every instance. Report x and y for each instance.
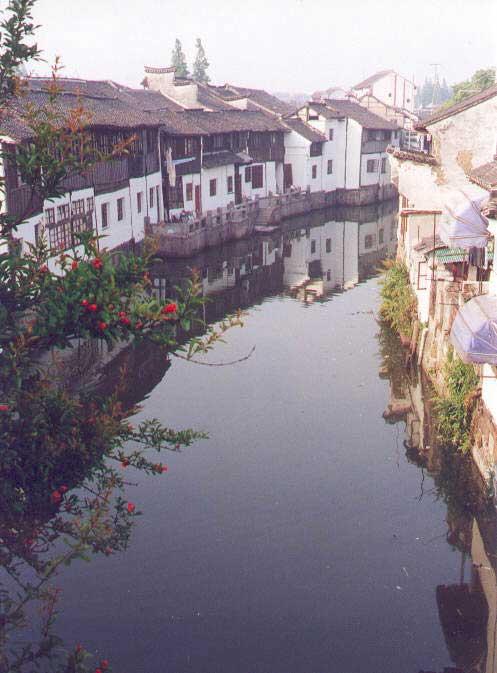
(398, 307)
(455, 409)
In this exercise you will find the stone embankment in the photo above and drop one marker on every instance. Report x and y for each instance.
(194, 234)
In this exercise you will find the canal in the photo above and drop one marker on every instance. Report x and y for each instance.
(319, 529)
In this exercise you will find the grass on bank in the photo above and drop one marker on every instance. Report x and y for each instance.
(399, 306)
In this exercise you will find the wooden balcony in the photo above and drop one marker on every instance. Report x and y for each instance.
(21, 203)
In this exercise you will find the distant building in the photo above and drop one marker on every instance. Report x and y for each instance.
(388, 87)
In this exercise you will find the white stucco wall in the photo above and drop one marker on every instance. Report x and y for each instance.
(222, 196)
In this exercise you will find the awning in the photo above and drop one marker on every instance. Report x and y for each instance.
(463, 224)
(449, 255)
(474, 331)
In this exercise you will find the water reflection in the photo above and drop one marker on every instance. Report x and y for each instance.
(467, 609)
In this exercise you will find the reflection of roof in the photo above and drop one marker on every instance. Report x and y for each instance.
(372, 79)
(224, 158)
(305, 130)
(485, 175)
(443, 113)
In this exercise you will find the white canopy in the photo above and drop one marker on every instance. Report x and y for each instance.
(463, 224)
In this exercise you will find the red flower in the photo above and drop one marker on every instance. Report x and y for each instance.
(63, 488)
(170, 308)
(104, 664)
(125, 321)
(121, 314)
(102, 326)
(139, 325)
(44, 268)
(74, 265)
(164, 468)
(56, 497)
(130, 507)
(84, 302)
(98, 670)
(125, 462)
(97, 263)
(92, 307)
(78, 648)
(4, 407)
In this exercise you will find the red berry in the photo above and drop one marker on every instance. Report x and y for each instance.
(74, 265)
(63, 488)
(102, 326)
(104, 664)
(4, 407)
(97, 263)
(44, 268)
(56, 497)
(170, 308)
(130, 507)
(84, 302)
(92, 307)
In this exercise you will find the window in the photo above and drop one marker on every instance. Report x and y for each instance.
(313, 246)
(257, 177)
(380, 236)
(213, 187)
(368, 241)
(248, 174)
(372, 165)
(328, 274)
(189, 191)
(90, 204)
(139, 198)
(328, 245)
(230, 184)
(120, 209)
(330, 166)
(314, 171)
(50, 216)
(387, 135)
(60, 237)
(105, 215)
(330, 134)
(63, 212)
(151, 197)
(78, 207)
(384, 165)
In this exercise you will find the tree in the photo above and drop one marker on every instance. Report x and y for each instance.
(63, 446)
(482, 79)
(200, 64)
(178, 60)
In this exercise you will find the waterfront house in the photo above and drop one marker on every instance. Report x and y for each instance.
(388, 87)
(446, 238)
(115, 197)
(354, 154)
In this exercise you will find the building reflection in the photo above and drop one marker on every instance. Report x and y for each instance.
(467, 609)
(337, 254)
(309, 258)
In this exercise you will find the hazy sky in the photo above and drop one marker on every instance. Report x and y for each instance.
(280, 45)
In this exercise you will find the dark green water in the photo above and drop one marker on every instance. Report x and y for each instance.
(309, 534)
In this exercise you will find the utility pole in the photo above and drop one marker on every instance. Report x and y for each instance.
(435, 96)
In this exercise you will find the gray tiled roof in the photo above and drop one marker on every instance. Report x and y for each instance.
(363, 116)
(372, 79)
(258, 97)
(305, 130)
(224, 158)
(485, 175)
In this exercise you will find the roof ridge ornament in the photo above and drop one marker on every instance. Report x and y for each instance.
(159, 71)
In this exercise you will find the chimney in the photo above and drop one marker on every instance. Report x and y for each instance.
(160, 79)
(164, 81)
